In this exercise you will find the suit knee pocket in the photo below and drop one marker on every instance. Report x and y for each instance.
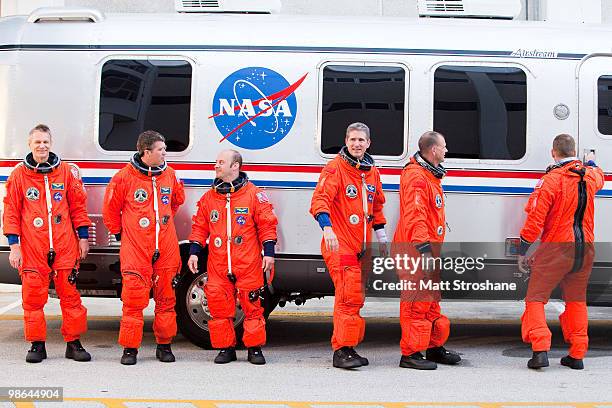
(349, 329)
(34, 291)
(352, 291)
(135, 291)
(220, 304)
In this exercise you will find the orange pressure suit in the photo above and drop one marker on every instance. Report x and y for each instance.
(420, 230)
(139, 204)
(350, 193)
(561, 208)
(31, 190)
(234, 257)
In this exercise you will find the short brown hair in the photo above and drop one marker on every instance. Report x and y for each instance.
(147, 139)
(40, 128)
(428, 140)
(564, 145)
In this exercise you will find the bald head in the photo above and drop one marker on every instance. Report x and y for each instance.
(432, 147)
(228, 165)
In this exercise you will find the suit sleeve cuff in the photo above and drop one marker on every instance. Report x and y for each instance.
(524, 247)
(195, 248)
(268, 248)
(12, 239)
(424, 248)
(323, 220)
(83, 232)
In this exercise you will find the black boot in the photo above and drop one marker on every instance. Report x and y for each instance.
(37, 352)
(539, 360)
(164, 353)
(76, 352)
(129, 356)
(441, 355)
(364, 361)
(417, 361)
(345, 358)
(573, 363)
(255, 356)
(226, 355)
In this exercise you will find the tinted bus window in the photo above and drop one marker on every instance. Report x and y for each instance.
(482, 111)
(373, 95)
(138, 95)
(604, 104)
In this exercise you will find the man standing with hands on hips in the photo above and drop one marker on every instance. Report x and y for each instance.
(139, 207)
(45, 203)
(348, 203)
(238, 221)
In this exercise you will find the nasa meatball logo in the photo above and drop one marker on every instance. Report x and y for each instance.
(255, 107)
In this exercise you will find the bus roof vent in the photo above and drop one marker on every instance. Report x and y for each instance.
(228, 6)
(498, 9)
(61, 14)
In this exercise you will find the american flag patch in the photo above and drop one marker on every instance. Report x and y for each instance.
(262, 197)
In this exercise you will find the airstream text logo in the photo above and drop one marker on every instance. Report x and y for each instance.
(255, 107)
(521, 53)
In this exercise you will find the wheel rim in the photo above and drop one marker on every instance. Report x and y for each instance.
(197, 304)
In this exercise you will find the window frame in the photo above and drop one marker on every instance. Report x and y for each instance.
(485, 64)
(146, 57)
(598, 76)
(363, 63)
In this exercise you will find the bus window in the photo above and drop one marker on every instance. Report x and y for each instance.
(138, 95)
(374, 95)
(604, 104)
(482, 111)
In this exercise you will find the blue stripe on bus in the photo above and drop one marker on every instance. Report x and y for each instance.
(312, 184)
(272, 48)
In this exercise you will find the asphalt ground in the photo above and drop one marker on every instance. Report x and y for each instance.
(493, 372)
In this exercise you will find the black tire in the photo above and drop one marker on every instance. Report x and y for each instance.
(269, 302)
(192, 314)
